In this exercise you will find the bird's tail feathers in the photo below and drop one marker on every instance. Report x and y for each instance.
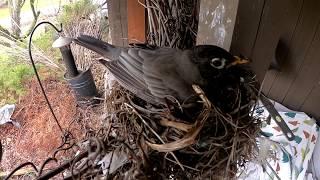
(104, 49)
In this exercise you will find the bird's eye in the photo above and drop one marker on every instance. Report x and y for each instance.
(218, 63)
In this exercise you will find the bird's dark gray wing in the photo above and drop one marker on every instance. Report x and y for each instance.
(129, 82)
(151, 74)
(134, 71)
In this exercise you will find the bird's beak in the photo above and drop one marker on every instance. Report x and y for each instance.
(239, 60)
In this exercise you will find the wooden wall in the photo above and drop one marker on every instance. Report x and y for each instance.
(286, 32)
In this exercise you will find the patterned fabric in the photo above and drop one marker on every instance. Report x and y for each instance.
(287, 159)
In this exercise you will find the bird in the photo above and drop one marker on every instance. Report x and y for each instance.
(156, 73)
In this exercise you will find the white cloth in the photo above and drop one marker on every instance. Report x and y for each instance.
(283, 159)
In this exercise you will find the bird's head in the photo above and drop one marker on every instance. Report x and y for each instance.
(213, 60)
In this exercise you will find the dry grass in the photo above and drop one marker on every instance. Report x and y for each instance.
(19, 50)
(172, 23)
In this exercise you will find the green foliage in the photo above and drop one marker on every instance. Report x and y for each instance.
(44, 42)
(11, 77)
(77, 10)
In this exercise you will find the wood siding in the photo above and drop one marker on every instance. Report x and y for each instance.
(287, 31)
(118, 22)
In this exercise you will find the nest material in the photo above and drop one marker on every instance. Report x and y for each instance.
(172, 23)
(214, 146)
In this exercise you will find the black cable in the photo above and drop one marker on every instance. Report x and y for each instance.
(36, 72)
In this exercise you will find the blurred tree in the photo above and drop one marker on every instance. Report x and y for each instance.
(15, 10)
(15, 31)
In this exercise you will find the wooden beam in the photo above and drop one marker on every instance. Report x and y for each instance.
(246, 27)
(118, 22)
(136, 22)
(216, 22)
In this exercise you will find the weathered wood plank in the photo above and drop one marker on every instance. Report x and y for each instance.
(272, 26)
(118, 22)
(216, 22)
(297, 50)
(293, 10)
(289, 31)
(311, 104)
(307, 75)
(246, 27)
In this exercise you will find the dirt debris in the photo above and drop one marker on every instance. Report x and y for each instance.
(39, 134)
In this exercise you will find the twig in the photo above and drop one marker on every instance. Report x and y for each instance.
(178, 125)
(155, 133)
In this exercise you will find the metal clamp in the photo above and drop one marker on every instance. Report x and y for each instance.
(277, 117)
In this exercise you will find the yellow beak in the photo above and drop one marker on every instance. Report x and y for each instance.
(239, 61)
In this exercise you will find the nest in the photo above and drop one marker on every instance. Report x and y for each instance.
(215, 144)
(172, 23)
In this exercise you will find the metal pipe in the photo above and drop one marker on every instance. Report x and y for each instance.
(63, 43)
(81, 82)
(69, 61)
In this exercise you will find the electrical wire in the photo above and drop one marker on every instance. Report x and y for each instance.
(36, 72)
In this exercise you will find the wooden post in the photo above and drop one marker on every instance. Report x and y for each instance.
(117, 12)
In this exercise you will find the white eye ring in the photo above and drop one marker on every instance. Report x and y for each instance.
(223, 63)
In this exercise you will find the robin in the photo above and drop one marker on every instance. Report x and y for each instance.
(155, 73)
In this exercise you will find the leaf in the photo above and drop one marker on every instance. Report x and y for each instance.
(313, 139)
(304, 152)
(297, 139)
(267, 134)
(309, 122)
(294, 123)
(290, 114)
(306, 134)
(285, 157)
